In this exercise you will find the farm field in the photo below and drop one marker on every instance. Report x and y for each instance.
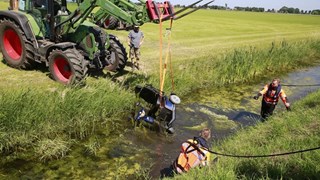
(202, 35)
(42, 120)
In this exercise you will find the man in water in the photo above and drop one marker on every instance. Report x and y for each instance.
(194, 152)
(271, 94)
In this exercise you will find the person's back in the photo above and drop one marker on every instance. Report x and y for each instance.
(194, 152)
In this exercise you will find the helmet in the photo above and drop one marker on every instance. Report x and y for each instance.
(175, 99)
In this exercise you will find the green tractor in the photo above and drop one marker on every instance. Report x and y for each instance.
(69, 43)
(107, 21)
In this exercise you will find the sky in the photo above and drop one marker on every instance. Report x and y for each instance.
(267, 4)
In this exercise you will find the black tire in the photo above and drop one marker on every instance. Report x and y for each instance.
(17, 51)
(121, 50)
(112, 59)
(67, 66)
(110, 23)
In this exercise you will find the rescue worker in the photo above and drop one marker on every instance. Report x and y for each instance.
(135, 40)
(271, 94)
(194, 152)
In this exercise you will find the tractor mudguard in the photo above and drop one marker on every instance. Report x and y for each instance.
(21, 20)
(64, 45)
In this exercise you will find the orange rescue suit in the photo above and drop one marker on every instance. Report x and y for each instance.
(272, 95)
(192, 154)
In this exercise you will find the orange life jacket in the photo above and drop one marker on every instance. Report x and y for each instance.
(272, 96)
(192, 154)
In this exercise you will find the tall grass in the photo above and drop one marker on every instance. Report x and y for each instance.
(241, 65)
(296, 130)
(32, 117)
(44, 119)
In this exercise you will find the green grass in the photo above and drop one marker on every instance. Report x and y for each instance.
(33, 117)
(290, 131)
(209, 49)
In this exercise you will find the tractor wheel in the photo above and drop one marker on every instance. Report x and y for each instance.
(110, 23)
(67, 66)
(17, 51)
(112, 59)
(121, 50)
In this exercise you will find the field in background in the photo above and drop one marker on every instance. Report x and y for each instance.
(204, 34)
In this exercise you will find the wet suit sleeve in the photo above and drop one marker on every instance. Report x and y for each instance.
(264, 90)
(283, 97)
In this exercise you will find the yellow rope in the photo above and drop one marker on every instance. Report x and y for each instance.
(167, 57)
(160, 52)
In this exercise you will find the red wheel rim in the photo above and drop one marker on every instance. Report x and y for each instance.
(107, 22)
(62, 69)
(12, 44)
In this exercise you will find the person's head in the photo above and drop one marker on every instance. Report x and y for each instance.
(275, 82)
(136, 28)
(205, 133)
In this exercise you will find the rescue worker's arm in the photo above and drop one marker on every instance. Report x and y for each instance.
(284, 99)
(262, 92)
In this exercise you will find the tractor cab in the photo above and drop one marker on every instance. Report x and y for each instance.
(47, 13)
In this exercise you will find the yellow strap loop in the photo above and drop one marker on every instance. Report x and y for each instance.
(160, 53)
(168, 56)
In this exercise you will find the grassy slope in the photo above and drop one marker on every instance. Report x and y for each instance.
(297, 130)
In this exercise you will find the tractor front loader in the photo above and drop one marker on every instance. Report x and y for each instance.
(45, 31)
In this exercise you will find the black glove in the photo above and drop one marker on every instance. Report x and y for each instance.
(256, 97)
(288, 108)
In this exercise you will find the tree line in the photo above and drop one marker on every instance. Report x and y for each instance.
(284, 9)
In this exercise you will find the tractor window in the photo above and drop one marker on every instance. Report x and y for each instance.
(22, 5)
(56, 7)
(40, 3)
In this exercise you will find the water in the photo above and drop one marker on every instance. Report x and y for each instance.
(224, 111)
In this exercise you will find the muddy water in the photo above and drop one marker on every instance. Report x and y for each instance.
(124, 154)
(224, 111)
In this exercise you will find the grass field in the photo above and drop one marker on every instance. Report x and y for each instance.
(204, 35)
(209, 49)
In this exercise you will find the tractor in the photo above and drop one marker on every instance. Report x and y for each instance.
(107, 21)
(69, 43)
(45, 31)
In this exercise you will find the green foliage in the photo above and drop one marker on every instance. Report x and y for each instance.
(244, 65)
(35, 117)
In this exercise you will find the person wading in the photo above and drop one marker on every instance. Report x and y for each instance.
(271, 94)
(194, 152)
(135, 40)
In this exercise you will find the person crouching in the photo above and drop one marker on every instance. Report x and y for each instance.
(194, 152)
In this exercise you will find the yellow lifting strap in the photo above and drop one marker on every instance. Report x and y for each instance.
(163, 67)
